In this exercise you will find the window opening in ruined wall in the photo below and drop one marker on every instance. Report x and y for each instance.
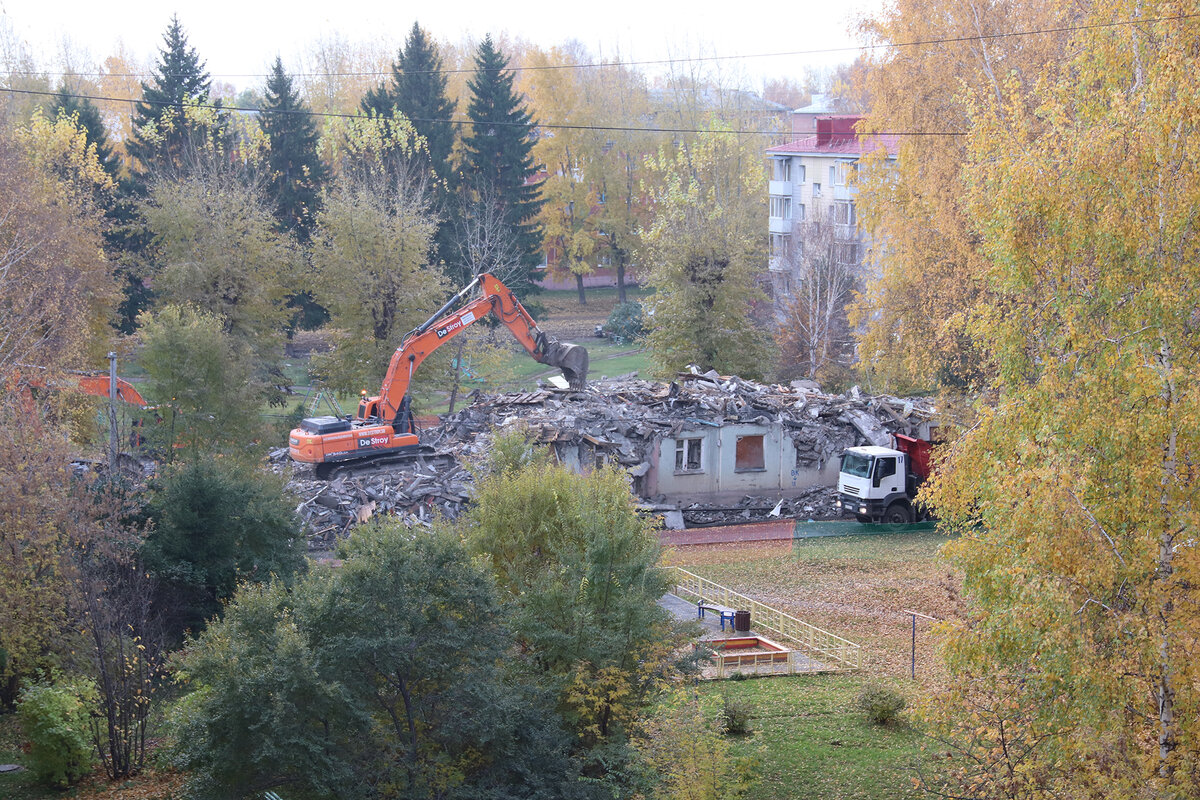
(749, 455)
(687, 455)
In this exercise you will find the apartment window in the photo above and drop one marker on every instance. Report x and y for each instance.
(845, 214)
(783, 169)
(781, 207)
(800, 211)
(749, 454)
(848, 253)
(833, 175)
(799, 173)
(816, 190)
(688, 454)
(781, 245)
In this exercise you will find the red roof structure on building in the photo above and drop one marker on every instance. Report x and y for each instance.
(836, 135)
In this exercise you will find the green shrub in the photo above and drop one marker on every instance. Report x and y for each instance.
(626, 323)
(54, 717)
(881, 704)
(735, 717)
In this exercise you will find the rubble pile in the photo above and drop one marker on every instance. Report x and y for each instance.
(626, 416)
(416, 492)
(817, 502)
(623, 420)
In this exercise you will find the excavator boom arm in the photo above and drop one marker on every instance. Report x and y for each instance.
(444, 325)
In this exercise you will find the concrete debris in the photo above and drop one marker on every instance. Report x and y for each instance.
(417, 493)
(625, 422)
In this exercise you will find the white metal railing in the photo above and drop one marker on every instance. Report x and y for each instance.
(833, 653)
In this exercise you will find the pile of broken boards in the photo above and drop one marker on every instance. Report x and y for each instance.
(624, 418)
(416, 492)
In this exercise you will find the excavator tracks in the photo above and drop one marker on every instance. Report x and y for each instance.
(425, 457)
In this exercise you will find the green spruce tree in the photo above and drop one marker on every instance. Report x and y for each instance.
(499, 164)
(178, 76)
(419, 87)
(296, 170)
(123, 233)
(67, 104)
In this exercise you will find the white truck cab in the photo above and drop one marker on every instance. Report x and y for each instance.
(877, 484)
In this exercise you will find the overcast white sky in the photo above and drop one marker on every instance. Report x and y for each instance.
(238, 40)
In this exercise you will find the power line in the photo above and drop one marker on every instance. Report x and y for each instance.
(662, 61)
(554, 126)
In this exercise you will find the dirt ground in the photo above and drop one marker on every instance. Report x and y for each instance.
(565, 319)
(857, 587)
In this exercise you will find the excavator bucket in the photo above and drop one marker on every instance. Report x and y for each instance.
(571, 359)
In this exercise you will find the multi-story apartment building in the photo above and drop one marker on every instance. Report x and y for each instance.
(812, 181)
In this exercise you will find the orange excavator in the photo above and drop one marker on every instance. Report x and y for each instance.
(93, 383)
(384, 425)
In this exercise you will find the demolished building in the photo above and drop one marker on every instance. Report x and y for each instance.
(703, 437)
(723, 442)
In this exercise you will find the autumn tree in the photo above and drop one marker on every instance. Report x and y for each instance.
(371, 269)
(916, 334)
(1074, 493)
(814, 337)
(706, 256)
(202, 379)
(216, 246)
(36, 538)
(620, 169)
(296, 170)
(570, 211)
(577, 565)
(56, 291)
(87, 117)
(498, 157)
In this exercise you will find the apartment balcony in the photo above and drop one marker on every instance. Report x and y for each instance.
(775, 264)
(843, 192)
(780, 188)
(780, 225)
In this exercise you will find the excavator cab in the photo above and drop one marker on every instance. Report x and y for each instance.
(368, 407)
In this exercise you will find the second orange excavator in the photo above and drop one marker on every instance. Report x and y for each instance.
(384, 425)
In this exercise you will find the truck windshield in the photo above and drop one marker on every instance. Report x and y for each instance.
(856, 464)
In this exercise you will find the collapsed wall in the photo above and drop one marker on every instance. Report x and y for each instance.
(718, 448)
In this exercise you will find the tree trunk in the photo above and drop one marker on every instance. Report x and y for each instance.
(579, 288)
(620, 279)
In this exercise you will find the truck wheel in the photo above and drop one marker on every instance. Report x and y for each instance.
(898, 513)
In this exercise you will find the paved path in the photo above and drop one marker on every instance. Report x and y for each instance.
(780, 530)
(686, 611)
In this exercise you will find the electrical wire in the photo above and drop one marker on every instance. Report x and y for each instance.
(460, 122)
(662, 61)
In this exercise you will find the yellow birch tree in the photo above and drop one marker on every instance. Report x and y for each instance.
(1074, 496)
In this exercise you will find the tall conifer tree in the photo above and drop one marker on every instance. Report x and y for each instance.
(179, 75)
(499, 162)
(297, 171)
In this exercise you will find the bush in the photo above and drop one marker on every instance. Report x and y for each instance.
(55, 719)
(881, 704)
(735, 717)
(626, 323)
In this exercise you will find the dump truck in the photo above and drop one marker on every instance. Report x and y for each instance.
(880, 484)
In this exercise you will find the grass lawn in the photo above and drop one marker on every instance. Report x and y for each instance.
(812, 742)
(811, 739)
(855, 586)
